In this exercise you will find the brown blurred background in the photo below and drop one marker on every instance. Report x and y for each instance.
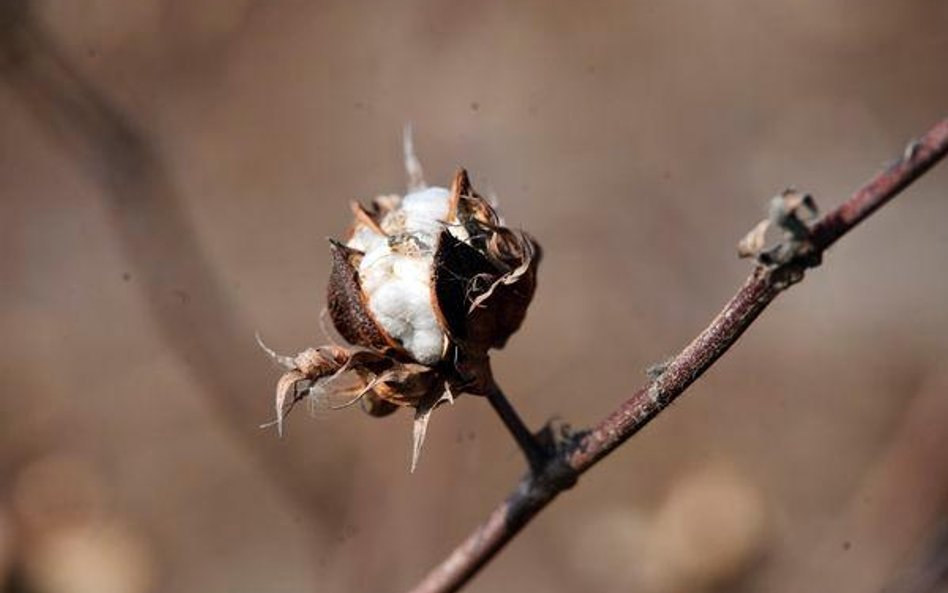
(169, 171)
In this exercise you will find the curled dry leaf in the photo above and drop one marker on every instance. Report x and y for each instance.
(423, 287)
(753, 242)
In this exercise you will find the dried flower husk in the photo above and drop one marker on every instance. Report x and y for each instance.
(423, 287)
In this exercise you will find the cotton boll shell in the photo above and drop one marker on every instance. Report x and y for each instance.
(347, 307)
(711, 530)
(484, 275)
(481, 304)
(456, 266)
(505, 305)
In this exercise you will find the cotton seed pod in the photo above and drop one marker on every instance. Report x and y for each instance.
(430, 273)
(423, 287)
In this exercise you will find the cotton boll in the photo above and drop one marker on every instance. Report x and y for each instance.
(395, 272)
(401, 292)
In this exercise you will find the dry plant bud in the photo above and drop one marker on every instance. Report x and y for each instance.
(423, 287)
(792, 212)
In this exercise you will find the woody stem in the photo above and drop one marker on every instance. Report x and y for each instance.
(536, 455)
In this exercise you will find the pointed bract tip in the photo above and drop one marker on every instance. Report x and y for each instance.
(286, 362)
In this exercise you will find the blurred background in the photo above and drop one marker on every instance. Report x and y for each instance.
(169, 173)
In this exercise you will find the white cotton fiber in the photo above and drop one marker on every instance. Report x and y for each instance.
(395, 271)
(425, 212)
(366, 240)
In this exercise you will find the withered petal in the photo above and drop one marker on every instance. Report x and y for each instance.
(347, 307)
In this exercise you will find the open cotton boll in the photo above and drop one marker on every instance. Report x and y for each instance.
(426, 285)
(395, 271)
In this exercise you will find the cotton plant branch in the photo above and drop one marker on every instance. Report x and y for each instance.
(777, 270)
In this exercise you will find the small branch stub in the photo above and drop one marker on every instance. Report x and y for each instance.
(791, 212)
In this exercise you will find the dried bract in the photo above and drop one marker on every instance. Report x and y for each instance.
(423, 287)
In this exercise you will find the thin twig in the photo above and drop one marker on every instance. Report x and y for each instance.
(529, 444)
(535, 491)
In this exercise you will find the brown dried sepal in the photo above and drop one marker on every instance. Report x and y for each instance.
(379, 382)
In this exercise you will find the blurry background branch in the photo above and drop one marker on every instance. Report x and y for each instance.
(188, 303)
(535, 492)
(908, 479)
(927, 572)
